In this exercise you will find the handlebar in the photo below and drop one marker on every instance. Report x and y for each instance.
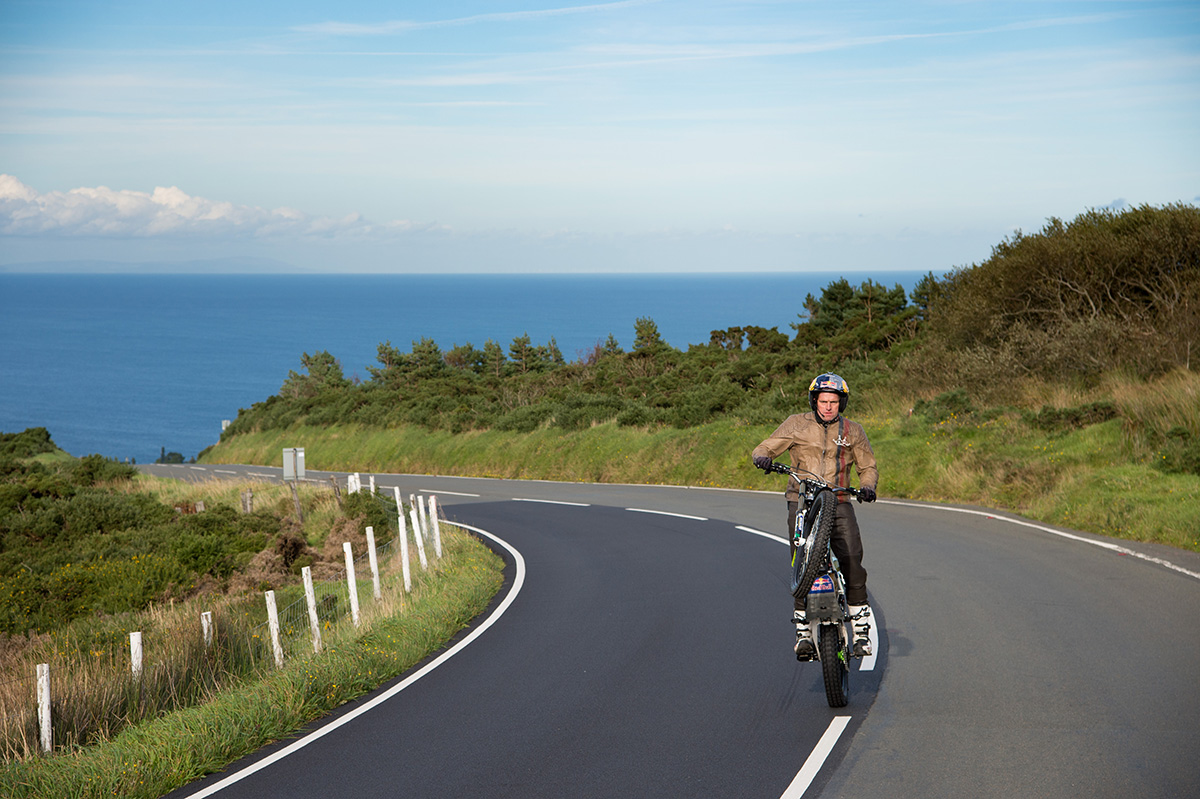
(800, 476)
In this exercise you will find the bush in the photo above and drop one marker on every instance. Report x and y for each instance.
(945, 406)
(26, 444)
(370, 510)
(1180, 453)
(1050, 418)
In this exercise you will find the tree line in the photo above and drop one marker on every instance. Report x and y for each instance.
(1107, 292)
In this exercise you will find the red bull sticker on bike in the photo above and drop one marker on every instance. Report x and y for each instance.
(823, 583)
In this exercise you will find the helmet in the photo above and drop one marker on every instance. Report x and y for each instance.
(828, 383)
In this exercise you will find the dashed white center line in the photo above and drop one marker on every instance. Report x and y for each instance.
(668, 513)
(552, 502)
(772, 536)
(817, 759)
(449, 493)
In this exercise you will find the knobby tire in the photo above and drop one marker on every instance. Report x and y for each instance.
(834, 666)
(806, 565)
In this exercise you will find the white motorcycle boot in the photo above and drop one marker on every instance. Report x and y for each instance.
(805, 650)
(860, 620)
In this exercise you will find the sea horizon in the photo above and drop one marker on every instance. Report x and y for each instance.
(127, 365)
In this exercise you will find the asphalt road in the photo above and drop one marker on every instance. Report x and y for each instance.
(644, 654)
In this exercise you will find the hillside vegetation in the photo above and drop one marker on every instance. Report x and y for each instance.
(1079, 336)
(91, 552)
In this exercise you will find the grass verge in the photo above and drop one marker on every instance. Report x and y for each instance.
(152, 758)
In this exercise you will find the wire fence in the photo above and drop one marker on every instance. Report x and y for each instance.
(81, 697)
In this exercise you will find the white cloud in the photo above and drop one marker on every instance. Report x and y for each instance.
(101, 211)
(402, 26)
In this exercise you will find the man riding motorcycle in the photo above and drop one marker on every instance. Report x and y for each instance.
(826, 443)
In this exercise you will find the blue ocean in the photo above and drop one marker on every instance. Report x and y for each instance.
(129, 365)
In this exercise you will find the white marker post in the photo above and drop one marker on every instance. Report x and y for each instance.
(135, 654)
(351, 583)
(206, 626)
(419, 503)
(310, 596)
(273, 624)
(437, 527)
(43, 692)
(373, 560)
(412, 515)
(403, 544)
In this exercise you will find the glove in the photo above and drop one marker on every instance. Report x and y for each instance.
(866, 495)
(762, 462)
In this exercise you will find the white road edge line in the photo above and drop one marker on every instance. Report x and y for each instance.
(518, 582)
(553, 502)
(1102, 544)
(451, 493)
(868, 661)
(668, 513)
(817, 759)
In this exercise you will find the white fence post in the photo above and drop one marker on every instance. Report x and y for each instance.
(273, 624)
(420, 503)
(437, 528)
(135, 654)
(351, 583)
(207, 627)
(372, 479)
(43, 692)
(310, 596)
(412, 515)
(403, 543)
(373, 559)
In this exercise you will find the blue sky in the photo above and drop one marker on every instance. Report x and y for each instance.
(611, 136)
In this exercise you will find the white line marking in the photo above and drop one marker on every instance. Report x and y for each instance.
(198, 468)
(260, 474)
(223, 471)
(1102, 544)
(451, 493)
(553, 502)
(518, 581)
(772, 536)
(667, 513)
(868, 661)
(817, 759)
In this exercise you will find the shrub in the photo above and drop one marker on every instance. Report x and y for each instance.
(945, 406)
(1050, 418)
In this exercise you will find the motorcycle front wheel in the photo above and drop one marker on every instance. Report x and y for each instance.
(806, 564)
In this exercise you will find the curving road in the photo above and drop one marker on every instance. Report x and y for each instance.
(638, 653)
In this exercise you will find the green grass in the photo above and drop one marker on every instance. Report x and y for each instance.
(154, 757)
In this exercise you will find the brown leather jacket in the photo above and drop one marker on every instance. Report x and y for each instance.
(826, 450)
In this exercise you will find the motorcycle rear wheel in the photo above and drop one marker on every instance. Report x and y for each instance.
(834, 666)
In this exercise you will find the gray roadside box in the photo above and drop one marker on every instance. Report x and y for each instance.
(293, 463)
